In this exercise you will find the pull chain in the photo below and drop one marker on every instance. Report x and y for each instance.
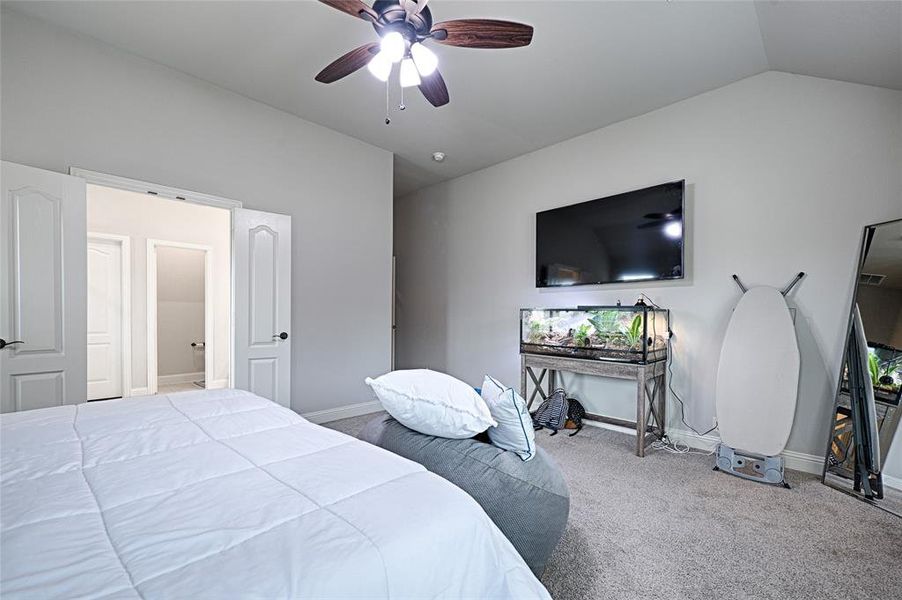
(387, 103)
(402, 106)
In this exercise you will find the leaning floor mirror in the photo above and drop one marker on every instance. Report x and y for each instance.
(864, 453)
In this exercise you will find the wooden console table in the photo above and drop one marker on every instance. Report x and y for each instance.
(651, 388)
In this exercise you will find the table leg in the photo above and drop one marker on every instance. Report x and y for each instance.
(663, 410)
(640, 412)
(538, 386)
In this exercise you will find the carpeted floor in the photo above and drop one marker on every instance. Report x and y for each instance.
(669, 527)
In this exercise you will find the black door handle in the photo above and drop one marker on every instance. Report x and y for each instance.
(4, 343)
(281, 336)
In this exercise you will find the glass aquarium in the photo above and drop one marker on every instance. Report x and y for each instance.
(885, 367)
(636, 334)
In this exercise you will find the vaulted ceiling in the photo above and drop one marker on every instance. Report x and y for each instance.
(590, 64)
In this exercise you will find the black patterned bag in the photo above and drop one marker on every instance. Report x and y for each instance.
(552, 413)
(559, 412)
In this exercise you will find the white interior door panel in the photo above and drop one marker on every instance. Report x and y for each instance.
(105, 347)
(43, 247)
(262, 303)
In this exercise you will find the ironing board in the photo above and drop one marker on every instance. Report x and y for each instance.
(757, 385)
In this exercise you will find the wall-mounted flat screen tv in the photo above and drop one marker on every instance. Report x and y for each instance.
(636, 236)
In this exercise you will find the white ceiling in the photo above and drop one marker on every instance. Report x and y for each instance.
(590, 64)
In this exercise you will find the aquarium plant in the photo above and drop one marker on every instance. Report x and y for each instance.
(882, 369)
(604, 321)
(887, 371)
(581, 335)
(873, 368)
(536, 332)
(633, 333)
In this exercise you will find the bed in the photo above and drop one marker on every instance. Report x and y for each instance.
(221, 493)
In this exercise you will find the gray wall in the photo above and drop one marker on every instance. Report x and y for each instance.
(180, 310)
(881, 314)
(783, 172)
(71, 101)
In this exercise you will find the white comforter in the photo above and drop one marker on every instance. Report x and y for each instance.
(223, 494)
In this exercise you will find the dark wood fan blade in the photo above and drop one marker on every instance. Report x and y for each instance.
(668, 215)
(353, 8)
(347, 64)
(434, 89)
(482, 33)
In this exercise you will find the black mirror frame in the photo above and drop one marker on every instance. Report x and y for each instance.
(866, 237)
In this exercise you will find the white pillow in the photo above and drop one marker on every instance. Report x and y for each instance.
(514, 430)
(432, 403)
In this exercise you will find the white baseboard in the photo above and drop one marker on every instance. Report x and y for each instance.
(179, 378)
(342, 412)
(798, 461)
(138, 391)
(693, 440)
(610, 426)
(893, 482)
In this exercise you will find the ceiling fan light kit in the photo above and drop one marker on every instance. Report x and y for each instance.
(393, 46)
(409, 76)
(403, 26)
(424, 58)
(380, 66)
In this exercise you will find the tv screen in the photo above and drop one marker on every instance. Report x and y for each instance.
(636, 236)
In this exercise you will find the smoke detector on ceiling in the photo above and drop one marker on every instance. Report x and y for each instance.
(438, 156)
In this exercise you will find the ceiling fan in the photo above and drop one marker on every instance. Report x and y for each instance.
(671, 222)
(403, 26)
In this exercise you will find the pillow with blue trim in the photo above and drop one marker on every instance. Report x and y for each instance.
(514, 431)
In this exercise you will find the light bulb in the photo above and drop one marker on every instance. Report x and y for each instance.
(673, 230)
(380, 66)
(424, 58)
(409, 75)
(393, 46)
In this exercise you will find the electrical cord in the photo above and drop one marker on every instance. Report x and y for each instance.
(665, 443)
(674, 446)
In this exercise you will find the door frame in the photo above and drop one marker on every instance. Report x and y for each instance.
(152, 367)
(154, 189)
(125, 274)
(181, 195)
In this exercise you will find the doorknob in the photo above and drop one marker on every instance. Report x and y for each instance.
(4, 343)
(281, 336)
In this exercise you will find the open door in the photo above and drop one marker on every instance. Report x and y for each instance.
(43, 250)
(261, 278)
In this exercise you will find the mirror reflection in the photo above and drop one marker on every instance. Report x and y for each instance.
(864, 454)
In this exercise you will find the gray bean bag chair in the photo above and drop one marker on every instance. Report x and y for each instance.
(528, 501)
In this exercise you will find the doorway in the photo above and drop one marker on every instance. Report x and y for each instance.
(159, 294)
(179, 316)
(44, 324)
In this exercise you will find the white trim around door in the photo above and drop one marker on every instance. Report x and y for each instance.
(209, 356)
(124, 242)
(154, 189)
(182, 195)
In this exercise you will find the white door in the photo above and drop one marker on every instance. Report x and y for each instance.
(104, 318)
(262, 288)
(42, 288)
